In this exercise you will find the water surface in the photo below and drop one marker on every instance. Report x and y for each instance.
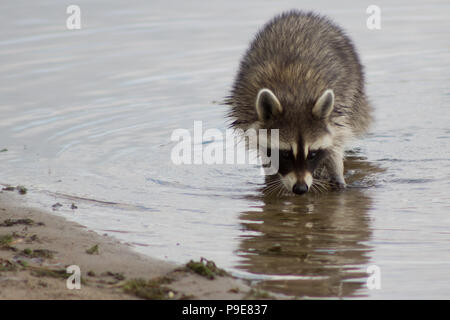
(87, 115)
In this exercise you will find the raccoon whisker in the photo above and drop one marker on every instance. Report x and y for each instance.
(272, 187)
(270, 183)
(279, 188)
(319, 185)
(321, 182)
(268, 186)
(268, 190)
(280, 192)
(322, 189)
(315, 189)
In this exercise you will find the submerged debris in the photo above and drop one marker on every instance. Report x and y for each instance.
(276, 248)
(56, 206)
(21, 189)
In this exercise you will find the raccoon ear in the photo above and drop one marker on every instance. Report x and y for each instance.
(324, 105)
(267, 105)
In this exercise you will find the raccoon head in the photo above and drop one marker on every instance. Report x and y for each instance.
(305, 136)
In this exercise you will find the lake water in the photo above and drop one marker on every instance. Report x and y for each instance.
(87, 116)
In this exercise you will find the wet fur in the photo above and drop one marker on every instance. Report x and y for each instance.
(297, 56)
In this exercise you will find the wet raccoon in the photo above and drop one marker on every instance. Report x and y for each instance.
(301, 75)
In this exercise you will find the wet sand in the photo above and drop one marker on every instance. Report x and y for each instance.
(36, 247)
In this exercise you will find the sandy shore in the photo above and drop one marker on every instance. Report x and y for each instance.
(36, 248)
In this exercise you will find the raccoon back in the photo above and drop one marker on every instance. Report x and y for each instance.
(298, 55)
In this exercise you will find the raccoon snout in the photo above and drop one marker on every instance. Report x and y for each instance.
(300, 188)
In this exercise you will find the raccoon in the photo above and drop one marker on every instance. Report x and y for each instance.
(302, 75)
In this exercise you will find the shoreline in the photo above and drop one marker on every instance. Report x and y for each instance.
(36, 247)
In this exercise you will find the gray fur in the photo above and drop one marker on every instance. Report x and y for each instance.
(299, 56)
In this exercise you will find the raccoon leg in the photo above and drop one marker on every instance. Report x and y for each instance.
(334, 164)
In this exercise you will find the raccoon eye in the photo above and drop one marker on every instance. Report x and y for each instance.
(312, 154)
(285, 154)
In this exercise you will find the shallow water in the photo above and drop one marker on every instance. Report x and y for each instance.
(87, 115)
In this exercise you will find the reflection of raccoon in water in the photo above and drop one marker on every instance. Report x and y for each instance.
(301, 75)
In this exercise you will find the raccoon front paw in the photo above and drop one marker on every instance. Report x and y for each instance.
(338, 184)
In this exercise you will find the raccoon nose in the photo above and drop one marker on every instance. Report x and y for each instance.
(300, 188)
